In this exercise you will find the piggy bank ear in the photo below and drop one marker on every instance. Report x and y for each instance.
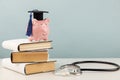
(47, 20)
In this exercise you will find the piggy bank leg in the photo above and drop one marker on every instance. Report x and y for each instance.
(30, 38)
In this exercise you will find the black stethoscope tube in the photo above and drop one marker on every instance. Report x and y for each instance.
(101, 62)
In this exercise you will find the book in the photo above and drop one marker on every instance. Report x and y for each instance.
(32, 56)
(25, 45)
(29, 68)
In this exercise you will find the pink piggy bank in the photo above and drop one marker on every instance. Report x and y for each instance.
(40, 30)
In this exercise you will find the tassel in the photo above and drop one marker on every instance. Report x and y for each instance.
(29, 28)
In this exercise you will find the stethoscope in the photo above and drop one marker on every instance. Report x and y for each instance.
(74, 68)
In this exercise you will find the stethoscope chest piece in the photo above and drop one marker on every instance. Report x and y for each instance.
(68, 69)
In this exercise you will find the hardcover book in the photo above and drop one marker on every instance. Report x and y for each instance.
(29, 68)
(33, 56)
(25, 45)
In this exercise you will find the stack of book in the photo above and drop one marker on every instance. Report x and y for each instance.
(28, 57)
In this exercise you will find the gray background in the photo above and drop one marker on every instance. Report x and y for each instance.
(78, 28)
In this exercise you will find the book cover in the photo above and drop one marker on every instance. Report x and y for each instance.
(29, 68)
(25, 45)
(33, 56)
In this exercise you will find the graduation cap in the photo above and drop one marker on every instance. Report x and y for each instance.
(37, 15)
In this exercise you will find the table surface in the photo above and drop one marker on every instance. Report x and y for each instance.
(6, 74)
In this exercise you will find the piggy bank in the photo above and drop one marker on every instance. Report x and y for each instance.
(40, 30)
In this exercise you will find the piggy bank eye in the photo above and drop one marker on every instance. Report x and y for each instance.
(46, 24)
(41, 24)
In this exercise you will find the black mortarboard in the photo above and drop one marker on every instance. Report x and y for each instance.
(38, 14)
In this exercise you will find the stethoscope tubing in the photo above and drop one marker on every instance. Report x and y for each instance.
(117, 67)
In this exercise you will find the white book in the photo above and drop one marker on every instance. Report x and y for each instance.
(25, 45)
(18, 67)
(28, 68)
(14, 43)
